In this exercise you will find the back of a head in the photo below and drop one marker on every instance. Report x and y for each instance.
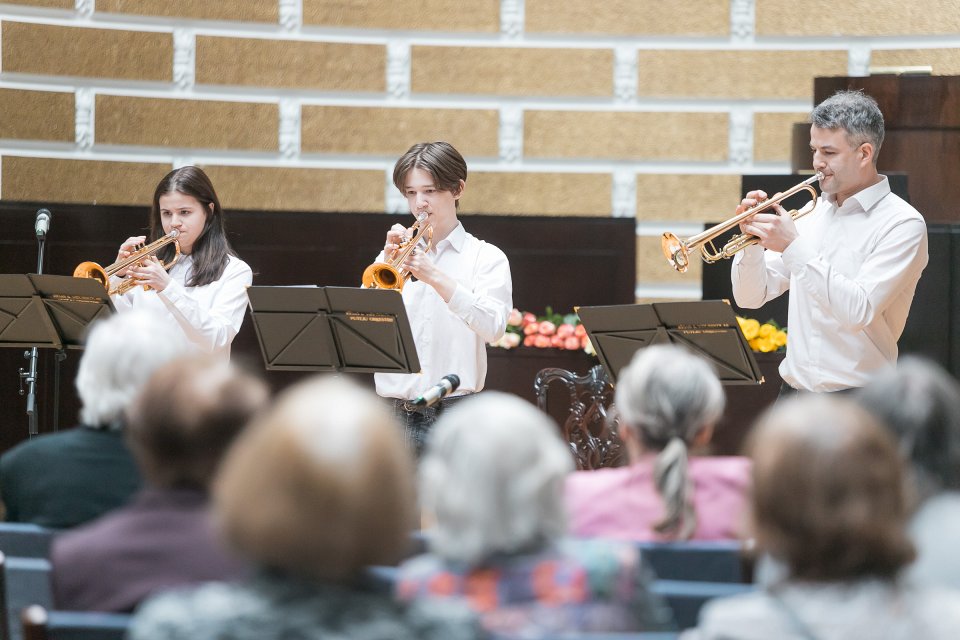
(319, 486)
(828, 497)
(120, 355)
(920, 402)
(492, 478)
(187, 416)
(666, 396)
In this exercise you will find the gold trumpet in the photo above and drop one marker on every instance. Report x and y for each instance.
(677, 251)
(390, 274)
(103, 274)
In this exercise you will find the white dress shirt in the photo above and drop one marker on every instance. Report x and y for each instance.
(452, 337)
(209, 316)
(852, 273)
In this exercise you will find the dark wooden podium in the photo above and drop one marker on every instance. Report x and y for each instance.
(922, 118)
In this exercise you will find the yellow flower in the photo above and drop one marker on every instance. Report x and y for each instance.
(766, 330)
(750, 327)
(766, 345)
(780, 339)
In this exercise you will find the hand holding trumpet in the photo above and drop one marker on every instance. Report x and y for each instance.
(774, 230)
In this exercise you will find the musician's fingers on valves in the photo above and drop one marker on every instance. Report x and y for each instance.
(127, 248)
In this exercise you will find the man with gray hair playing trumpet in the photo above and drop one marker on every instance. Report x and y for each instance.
(851, 266)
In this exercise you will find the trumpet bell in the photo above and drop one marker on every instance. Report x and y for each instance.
(381, 275)
(92, 270)
(674, 251)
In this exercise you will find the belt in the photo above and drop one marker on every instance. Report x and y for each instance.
(410, 407)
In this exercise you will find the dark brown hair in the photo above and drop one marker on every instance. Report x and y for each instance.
(828, 494)
(187, 416)
(211, 252)
(444, 164)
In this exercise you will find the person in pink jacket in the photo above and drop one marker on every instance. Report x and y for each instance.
(668, 400)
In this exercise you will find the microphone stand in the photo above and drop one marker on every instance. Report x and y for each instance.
(30, 376)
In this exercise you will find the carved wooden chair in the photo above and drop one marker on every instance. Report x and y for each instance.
(588, 426)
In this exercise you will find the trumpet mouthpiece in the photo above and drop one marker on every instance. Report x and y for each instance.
(174, 233)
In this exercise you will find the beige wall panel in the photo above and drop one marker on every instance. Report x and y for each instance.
(385, 131)
(773, 135)
(945, 62)
(36, 115)
(52, 4)
(551, 194)
(857, 18)
(512, 72)
(288, 63)
(289, 189)
(186, 123)
(245, 10)
(653, 268)
(82, 181)
(686, 197)
(626, 136)
(419, 15)
(629, 17)
(90, 53)
(736, 74)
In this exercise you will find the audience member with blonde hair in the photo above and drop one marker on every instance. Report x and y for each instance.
(491, 483)
(920, 402)
(179, 428)
(316, 490)
(669, 401)
(60, 480)
(829, 505)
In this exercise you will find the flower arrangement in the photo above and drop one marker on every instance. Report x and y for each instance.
(551, 330)
(765, 337)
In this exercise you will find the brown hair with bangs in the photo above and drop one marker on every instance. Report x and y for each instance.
(444, 164)
(828, 496)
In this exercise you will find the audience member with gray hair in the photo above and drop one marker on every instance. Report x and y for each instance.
(920, 402)
(851, 265)
(829, 504)
(491, 486)
(64, 479)
(669, 401)
(179, 428)
(316, 490)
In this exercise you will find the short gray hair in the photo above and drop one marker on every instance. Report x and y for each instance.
(856, 113)
(493, 476)
(919, 401)
(120, 355)
(666, 396)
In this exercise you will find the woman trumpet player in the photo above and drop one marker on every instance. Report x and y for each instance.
(205, 292)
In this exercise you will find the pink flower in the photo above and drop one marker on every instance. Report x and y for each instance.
(565, 330)
(531, 329)
(571, 342)
(529, 318)
(530, 340)
(515, 318)
(541, 341)
(556, 341)
(511, 340)
(580, 331)
(547, 328)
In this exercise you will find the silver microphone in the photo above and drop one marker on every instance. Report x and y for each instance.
(433, 395)
(42, 224)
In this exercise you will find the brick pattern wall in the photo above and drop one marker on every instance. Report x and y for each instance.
(632, 108)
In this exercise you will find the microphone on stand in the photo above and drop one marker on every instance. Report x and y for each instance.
(42, 224)
(433, 395)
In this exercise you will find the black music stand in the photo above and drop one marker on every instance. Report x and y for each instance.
(333, 329)
(709, 328)
(49, 311)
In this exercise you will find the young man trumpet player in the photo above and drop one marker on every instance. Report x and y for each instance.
(851, 266)
(462, 294)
